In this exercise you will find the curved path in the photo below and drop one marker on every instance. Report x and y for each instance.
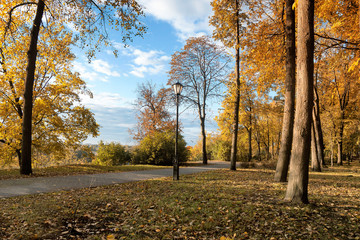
(24, 186)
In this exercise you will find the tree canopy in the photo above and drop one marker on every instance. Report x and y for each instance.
(39, 86)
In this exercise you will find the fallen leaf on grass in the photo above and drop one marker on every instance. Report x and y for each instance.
(110, 237)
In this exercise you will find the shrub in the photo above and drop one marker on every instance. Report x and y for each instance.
(196, 152)
(159, 149)
(222, 149)
(112, 154)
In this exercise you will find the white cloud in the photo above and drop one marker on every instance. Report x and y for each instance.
(114, 113)
(79, 67)
(106, 100)
(126, 125)
(188, 17)
(104, 67)
(97, 70)
(139, 71)
(146, 62)
(152, 57)
(87, 74)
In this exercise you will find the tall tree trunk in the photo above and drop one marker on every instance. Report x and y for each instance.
(25, 164)
(313, 148)
(340, 142)
(18, 153)
(268, 141)
(297, 188)
(289, 107)
(237, 97)
(278, 143)
(318, 129)
(315, 161)
(259, 149)
(332, 154)
(203, 133)
(340, 150)
(249, 137)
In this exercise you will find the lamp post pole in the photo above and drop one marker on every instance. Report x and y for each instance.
(176, 162)
(177, 89)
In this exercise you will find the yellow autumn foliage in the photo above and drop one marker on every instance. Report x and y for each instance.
(59, 119)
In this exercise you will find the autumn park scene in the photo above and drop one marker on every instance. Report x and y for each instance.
(179, 119)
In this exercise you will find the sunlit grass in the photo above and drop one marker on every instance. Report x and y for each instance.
(243, 204)
(74, 169)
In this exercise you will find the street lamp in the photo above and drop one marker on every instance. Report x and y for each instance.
(177, 89)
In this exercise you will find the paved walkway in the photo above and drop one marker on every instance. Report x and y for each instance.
(24, 186)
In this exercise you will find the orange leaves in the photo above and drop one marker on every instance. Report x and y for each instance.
(152, 115)
(110, 237)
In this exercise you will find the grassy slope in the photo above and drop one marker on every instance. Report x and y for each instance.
(73, 170)
(222, 204)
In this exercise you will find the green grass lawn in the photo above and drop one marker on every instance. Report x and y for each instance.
(222, 204)
(73, 170)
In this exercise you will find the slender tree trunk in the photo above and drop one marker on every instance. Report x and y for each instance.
(259, 149)
(315, 161)
(313, 148)
(340, 157)
(278, 144)
(249, 129)
(340, 143)
(297, 188)
(203, 133)
(18, 153)
(268, 142)
(318, 129)
(25, 164)
(289, 107)
(319, 139)
(237, 97)
(333, 145)
(332, 154)
(249, 138)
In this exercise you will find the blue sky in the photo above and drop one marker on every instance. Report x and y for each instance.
(113, 81)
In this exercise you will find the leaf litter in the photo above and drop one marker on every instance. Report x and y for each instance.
(222, 204)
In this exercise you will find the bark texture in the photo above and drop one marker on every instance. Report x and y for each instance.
(318, 129)
(289, 105)
(203, 133)
(249, 136)
(297, 188)
(315, 161)
(233, 154)
(25, 163)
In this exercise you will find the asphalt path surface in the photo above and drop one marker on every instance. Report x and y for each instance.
(25, 186)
